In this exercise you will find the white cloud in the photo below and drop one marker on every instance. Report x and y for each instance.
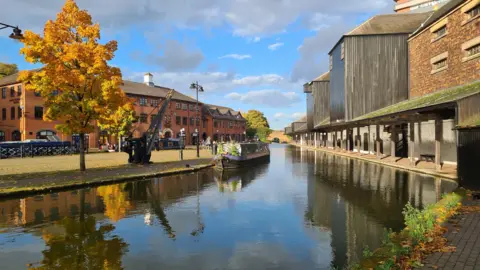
(267, 97)
(246, 17)
(256, 39)
(275, 46)
(298, 115)
(236, 56)
(212, 81)
(279, 115)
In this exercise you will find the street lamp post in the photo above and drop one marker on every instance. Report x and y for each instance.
(198, 88)
(17, 33)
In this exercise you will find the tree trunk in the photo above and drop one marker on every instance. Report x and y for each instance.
(82, 152)
(119, 147)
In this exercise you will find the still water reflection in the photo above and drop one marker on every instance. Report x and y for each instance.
(304, 210)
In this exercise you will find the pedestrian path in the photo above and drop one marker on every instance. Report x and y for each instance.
(463, 233)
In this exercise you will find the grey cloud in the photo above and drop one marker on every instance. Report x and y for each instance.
(247, 17)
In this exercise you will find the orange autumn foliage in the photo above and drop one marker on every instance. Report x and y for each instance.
(77, 84)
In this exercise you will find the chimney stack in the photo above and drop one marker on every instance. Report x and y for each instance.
(148, 79)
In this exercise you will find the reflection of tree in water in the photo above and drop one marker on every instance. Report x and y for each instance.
(77, 243)
(115, 200)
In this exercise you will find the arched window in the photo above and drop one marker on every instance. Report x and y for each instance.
(2, 136)
(43, 134)
(16, 136)
(167, 135)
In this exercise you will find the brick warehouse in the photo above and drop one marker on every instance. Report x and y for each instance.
(22, 115)
(438, 122)
(442, 52)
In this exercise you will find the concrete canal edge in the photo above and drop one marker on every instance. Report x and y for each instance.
(405, 168)
(16, 191)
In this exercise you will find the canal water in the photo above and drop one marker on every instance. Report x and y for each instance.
(304, 210)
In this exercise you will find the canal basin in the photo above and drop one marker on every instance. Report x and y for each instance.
(303, 210)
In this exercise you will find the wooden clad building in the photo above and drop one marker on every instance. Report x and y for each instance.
(369, 66)
(318, 101)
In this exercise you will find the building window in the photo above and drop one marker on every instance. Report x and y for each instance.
(184, 107)
(2, 136)
(215, 124)
(343, 50)
(154, 102)
(331, 62)
(143, 101)
(16, 136)
(184, 120)
(192, 107)
(12, 91)
(178, 106)
(471, 49)
(152, 118)
(4, 114)
(442, 31)
(4, 92)
(143, 118)
(197, 122)
(474, 12)
(178, 120)
(475, 50)
(192, 121)
(38, 112)
(12, 113)
(439, 62)
(36, 93)
(19, 90)
(230, 124)
(19, 113)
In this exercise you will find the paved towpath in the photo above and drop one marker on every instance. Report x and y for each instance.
(464, 234)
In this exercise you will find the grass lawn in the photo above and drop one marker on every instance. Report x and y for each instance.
(52, 164)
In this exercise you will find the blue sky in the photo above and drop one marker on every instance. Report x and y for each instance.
(247, 54)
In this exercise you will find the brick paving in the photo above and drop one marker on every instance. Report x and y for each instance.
(463, 233)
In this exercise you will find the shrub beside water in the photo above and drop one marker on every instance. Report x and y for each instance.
(422, 234)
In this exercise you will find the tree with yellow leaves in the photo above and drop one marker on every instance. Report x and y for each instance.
(77, 84)
(119, 122)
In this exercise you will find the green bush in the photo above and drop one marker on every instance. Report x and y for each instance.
(418, 222)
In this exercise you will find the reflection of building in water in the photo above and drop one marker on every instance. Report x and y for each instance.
(237, 180)
(371, 198)
(49, 207)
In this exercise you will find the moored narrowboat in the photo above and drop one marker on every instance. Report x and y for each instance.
(232, 156)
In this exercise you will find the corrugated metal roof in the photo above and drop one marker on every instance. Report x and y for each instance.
(390, 24)
(435, 16)
(322, 78)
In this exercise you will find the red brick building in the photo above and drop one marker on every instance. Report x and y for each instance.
(445, 51)
(224, 123)
(21, 116)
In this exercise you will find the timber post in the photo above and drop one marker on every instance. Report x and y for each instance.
(438, 140)
(412, 144)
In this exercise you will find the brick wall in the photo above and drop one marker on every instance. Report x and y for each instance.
(422, 49)
(29, 125)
